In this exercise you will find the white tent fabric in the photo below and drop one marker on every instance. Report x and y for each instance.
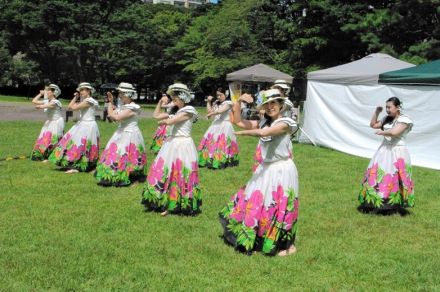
(339, 107)
(338, 116)
(363, 71)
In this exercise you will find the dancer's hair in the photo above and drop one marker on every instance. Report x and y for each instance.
(396, 102)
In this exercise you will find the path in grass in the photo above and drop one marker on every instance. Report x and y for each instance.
(63, 232)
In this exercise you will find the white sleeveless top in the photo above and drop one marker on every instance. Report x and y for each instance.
(88, 114)
(55, 112)
(223, 116)
(130, 123)
(183, 129)
(400, 140)
(279, 147)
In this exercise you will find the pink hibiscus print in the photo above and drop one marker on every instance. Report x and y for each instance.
(176, 170)
(253, 206)
(132, 153)
(388, 185)
(292, 216)
(93, 154)
(239, 209)
(173, 193)
(73, 153)
(280, 202)
(221, 142)
(45, 139)
(112, 154)
(123, 163)
(156, 171)
(372, 174)
(233, 149)
(265, 220)
(401, 170)
(66, 138)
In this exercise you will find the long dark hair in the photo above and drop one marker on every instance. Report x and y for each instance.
(396, 102)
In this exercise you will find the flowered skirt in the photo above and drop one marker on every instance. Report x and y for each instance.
(123, 159)
(79, 147)
(218, 147)
(388, 180)
(50, 134)
(173, 179)
(159, 137)
(263, 215)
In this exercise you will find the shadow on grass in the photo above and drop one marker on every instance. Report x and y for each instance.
(386, 211)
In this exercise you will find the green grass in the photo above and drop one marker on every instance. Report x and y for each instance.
(63, 232)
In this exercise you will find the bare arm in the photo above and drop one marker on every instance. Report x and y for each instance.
(181, 117)
(395, 131)
(222, 109)
(374, 123)
(47, 105)
(157, 114)
(276, 130)
(74, 106)
(244, 124)
(122, 115)
(36, 100)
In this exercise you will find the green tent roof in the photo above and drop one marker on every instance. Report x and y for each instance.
(428, 73)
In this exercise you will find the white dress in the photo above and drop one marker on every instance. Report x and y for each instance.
(263, 214)
(51, 132)
(218, 147)
(79, 147)
(173, 178)
(388, 180)
(124, 158)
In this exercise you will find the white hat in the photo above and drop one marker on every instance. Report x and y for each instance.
(270, 95)
(182, 91)
(56, 89)
(86, 85)
(282, 84)
(128, 89)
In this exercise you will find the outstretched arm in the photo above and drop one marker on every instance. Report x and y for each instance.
(181, 117)
(276, 130)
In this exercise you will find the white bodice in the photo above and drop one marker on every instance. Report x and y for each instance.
(223, 116)
(400, 140)
(279, 147)
(55, 112)
(183, 129)
(88, 114)
(130, 123)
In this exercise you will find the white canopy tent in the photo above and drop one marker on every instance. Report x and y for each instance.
(341, 100)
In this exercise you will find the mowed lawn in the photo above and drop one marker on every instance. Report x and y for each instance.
(63, 232)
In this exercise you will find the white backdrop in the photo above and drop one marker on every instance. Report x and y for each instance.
(338, 116)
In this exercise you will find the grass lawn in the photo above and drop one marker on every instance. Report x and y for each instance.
(63, 232)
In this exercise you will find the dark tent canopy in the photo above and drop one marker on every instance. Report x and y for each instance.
(428, 74)
(258, 73)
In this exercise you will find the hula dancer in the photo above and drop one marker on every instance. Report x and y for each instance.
(123, 159)
(388, 183)
(218, 147)
(173, 179)
(53, 128)
(78, 150)
(262, 215)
